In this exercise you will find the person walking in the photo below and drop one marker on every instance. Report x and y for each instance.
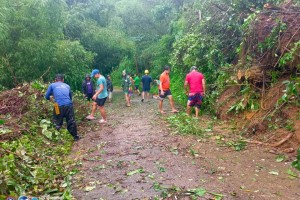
(146, 81)
(63, 107)
(100, 95)
(164, 90)
(110, 88)
(126, 86)
(194, 86)
(137, 81)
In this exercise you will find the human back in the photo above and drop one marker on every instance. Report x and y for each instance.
(195, 81)
(102, 81)
(61, 93)
(146, 80)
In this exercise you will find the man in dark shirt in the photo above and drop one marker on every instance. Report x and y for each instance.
(146, 81)
(64, 106)
(88, 88)
(110, 88)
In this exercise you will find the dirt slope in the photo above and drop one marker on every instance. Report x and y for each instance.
(136, 156)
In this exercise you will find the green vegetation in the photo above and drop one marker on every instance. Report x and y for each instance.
(34, 155)
(39, 38)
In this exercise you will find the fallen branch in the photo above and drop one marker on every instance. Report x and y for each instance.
(287, 46)
(255, 142)
(283, 140)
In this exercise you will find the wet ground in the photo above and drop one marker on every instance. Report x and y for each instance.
(137, 156)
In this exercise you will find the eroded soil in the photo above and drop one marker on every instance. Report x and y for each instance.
(137, 156)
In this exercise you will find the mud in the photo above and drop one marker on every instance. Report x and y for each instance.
(137, 156)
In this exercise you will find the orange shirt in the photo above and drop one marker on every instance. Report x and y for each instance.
(165, 81)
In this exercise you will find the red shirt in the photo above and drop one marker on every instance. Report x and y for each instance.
(165, 81)
(194, 80)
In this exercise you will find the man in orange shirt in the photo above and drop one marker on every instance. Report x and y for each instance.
(164, 90)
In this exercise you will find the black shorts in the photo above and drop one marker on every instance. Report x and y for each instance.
(89, 96)
(101, 102)
(166, 93)
(136, 87)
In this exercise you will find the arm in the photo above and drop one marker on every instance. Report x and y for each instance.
(98, 91)
(204, 86)
(160, 87)
(186, 87)
(49, 92)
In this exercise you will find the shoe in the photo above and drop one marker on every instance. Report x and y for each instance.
(90, 117)
(142, 100)
(102, 121)
(77, 138)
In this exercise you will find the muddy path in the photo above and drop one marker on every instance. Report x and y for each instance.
(137, 156)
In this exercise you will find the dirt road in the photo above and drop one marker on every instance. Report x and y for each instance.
(136, 156)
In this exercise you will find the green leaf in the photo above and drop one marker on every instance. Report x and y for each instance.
(280, 158)
(140, 170)
(291, 173)
(198, 191)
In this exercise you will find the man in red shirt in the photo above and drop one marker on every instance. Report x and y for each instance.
(164, 90)
(195, 81)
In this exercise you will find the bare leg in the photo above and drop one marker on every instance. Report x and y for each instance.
(102, 112)
(160, 107)
(94, 108)
(148, 96)
(143, 95)
(172, 103)
(188, 109)
(197, 111)
(127, 99)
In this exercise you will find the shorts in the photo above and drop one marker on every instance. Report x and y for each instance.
(89, 96)
(136, 87)
(101, 102)
(195, 100)
(166, 93)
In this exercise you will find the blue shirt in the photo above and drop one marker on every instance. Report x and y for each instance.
(146, 80)
(61, 92)
(101, 81)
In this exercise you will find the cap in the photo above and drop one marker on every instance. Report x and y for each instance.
(124, 72)
(59, 77)
(146, 71)
(87, 76)
(94, 72)
(193, 67)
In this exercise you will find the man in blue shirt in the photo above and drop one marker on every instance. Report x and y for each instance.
(146, 81)
(63, 99)
(101, 94)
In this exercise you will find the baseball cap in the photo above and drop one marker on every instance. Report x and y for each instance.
(193, 67)
(146, 71)
(94, 72)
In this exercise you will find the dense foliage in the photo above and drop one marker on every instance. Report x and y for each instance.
(34, 155)
(39, 38)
